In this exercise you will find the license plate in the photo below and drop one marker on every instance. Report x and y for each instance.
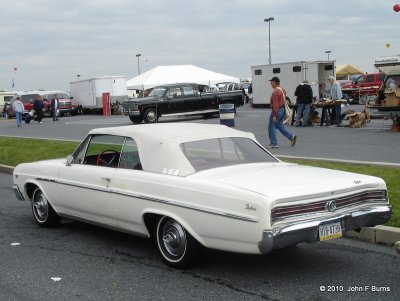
(330, 231)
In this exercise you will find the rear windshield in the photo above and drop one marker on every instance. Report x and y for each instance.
(219, 152)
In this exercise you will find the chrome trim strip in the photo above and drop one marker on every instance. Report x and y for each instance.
(46, 180)
(93, 187)
(342, 203)
(88, 221)
(167, 202)
(310, 224)
(186, 206)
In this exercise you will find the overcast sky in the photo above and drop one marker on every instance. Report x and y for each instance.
(50, 42)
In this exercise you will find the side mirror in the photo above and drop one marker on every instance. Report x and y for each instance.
(70, 159)
(71, 97)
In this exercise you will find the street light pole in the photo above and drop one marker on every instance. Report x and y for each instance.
(269, 37)
(138, 65)
(327, 52)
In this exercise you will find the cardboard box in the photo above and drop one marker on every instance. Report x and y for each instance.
(392, 99)
(357, 120)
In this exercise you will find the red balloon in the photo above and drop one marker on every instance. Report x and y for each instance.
(396, 8)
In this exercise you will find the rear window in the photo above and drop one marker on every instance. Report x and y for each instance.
(219, 152)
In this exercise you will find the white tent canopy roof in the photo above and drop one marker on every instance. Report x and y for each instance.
(163, 75)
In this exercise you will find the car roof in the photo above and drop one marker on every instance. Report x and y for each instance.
(159, 144)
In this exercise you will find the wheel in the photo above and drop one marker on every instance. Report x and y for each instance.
(177, 247)
(136, 119)
(363, 99)
(150, 116)
(42, 211)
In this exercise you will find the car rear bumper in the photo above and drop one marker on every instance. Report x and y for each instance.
(309, 231)
(18, 193)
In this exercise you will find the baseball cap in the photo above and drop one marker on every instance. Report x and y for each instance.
(275, 79)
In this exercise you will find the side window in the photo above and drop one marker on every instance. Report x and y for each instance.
(175, 92)
(360, 80)
(370, 78)
(188, 91)
(381, 77)
(79, 155)
(130, 155)
(103, 150)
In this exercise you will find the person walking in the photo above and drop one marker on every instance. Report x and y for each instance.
(54, 107)
(5, 111)
(304, 96)
(277, 103)
(18, 108)
(38, 107)
(335, 93)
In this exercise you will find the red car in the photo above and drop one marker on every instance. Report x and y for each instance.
(363, 86)
(28, 100)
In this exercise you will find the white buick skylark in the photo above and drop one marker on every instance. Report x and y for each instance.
(190, 186)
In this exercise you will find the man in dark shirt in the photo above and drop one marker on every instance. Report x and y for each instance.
(38, 107)
(304, 96)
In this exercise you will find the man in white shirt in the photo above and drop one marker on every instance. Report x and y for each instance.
(18, 108)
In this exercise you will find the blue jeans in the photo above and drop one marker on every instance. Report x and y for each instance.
(18, 116)
(274, 126)
(338, 114)
(303, 107)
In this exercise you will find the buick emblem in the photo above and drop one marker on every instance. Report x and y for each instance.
(330, 206)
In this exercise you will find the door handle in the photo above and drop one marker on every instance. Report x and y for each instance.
(107, 179)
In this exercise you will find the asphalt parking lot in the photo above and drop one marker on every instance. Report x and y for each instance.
(374, 143)
(77, 261)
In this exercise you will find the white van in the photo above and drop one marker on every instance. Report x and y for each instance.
(6, 97)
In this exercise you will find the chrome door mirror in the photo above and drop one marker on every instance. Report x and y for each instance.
(70, 159)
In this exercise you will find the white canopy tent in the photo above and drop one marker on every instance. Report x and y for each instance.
(163, 75)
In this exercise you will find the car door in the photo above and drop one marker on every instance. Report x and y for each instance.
(190, 99)
(84, 186)
(174, 100)
(126, 189)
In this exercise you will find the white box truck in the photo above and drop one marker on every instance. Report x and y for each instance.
(88, 93)
(291, 74)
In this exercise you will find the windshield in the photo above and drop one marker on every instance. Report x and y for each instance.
(157, 92)
(219, 152)
(28, 98)
(59, 95)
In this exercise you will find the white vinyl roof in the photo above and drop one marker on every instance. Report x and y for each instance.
(159, 144)
(163, 75)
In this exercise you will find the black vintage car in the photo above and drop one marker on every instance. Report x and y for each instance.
(179, 99)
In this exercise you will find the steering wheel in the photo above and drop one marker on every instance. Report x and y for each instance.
(102, 162)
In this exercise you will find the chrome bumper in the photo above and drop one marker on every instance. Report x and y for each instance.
(287, 235)
(18, 193)
(134, 113)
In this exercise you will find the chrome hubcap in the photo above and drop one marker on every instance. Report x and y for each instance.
(41, 206)
(174, 238)
(151, 115)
